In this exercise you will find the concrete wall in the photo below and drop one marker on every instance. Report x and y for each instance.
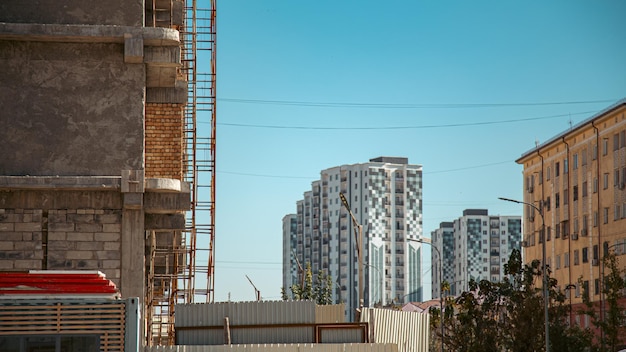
(40, 230)
(109, 12)
(75, 109)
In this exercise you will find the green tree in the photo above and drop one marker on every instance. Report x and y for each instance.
(509, 316)
(615, 315)
(320, 291)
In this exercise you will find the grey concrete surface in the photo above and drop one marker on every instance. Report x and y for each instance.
(76, 109)
(110, 12)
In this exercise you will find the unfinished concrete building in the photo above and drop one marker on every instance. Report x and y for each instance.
(99, 152)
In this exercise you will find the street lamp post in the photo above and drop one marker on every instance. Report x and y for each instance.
(544, 269)
(428, 241)
(358, 234)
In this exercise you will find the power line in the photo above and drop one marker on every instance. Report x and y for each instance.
(470, 167)
(482, 123)
(246, 262)
(402, 105)
(261, 175)
(313, 178)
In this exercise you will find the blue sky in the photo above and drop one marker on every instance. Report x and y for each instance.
(462, 88)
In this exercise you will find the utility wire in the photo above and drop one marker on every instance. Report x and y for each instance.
(260, 175)
(483, 123)
(402, 106)
(313, 178)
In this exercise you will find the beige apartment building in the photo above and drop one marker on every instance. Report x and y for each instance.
(577, 180)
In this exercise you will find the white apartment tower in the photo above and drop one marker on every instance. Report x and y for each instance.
(385, 197)
(475, 246)
(290, 268)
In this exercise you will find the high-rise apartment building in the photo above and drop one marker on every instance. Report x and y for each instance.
(577, 182)
(290, 272)
(474, 246)
(385, 197)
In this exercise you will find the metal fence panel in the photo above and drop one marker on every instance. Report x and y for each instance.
(255, 322)
(347, 347)
(409, 330)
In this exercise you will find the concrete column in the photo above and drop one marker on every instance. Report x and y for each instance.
(133, 268)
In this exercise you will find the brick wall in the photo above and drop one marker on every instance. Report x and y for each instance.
(164, 140)
(72, 239)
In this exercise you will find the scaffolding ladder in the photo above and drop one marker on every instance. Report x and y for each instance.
(180, 267)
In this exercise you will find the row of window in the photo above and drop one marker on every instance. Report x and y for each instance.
(619, 142)
(563, 228)
(619, 181)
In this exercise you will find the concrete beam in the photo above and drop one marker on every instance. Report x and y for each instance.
(165, 222)
(166, 203)
(60, 199)
(152, 36)
(60, 183)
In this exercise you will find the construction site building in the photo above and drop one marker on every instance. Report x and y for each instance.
(100, 153)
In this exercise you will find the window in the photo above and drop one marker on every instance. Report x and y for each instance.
(594, 152)
(585, 255)
(605, 146)
(576, 259)
(622, 139)
(595, 219)
(584, 190)
(575, 162)
(595, 252)
(565, 166)
(585, 225)
(605, 181)
(566, 260)
(557, 261)
(615, 141)
(557, 169)
(596, 286)
(557, 200)
(605, 215)
(595, 185)
(549, 232)
(616, 178)
(565, 197)
(584, 156)
(557, 231)
(575, 193)
(547, 203)
(616, 212)
(548, 173)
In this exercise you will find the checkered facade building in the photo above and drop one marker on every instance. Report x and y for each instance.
(385, 196)
(475, 246)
